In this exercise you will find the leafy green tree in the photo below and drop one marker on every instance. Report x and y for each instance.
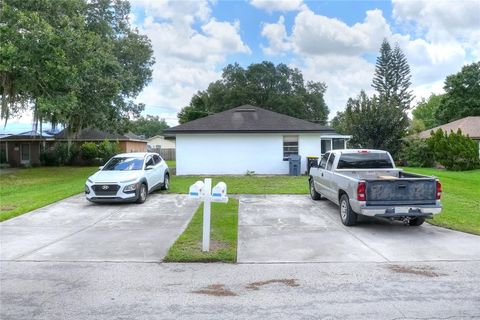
(74, 62)
(273, 87)
(373, 123)
(462, 95)
(426, 109)
(454, 150)
(392, 76)
(148, 126)
(417, 153)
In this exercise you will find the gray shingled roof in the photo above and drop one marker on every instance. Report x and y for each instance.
(468, 125)
(247, 119)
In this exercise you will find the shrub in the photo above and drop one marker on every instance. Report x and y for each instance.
(417, 153)
(59, 154)
(100, 153)
(49, 157)
(89, 151)
(108, 149)
(454, 151)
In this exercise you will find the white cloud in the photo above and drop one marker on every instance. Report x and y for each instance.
(278, 5)
(315, 34)
(187, 58)
(345, 77)
(277, 37)
(327, 49)
(441, 19)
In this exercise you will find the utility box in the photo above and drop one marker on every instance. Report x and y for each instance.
(294, 164)
(311, 162)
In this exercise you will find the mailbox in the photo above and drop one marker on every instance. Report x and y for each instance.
(219, 192)
(196, 190)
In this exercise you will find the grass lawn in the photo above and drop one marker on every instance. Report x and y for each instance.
(223, 236)
(247, 184)
(171, 163)
(27, 189)
(460, 199)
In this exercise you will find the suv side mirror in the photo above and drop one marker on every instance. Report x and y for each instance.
(100, 168)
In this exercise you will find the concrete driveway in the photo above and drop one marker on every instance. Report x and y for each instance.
(76, 230)
(294, 228)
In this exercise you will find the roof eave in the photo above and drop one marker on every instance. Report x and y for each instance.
(173, 132)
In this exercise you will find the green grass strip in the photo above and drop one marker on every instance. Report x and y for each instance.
(223, 236)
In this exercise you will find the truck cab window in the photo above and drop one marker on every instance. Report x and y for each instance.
(330, 162)
(323, 161)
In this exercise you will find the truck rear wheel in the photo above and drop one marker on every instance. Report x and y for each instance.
(415, 222)
(313, 193)
(347, 215)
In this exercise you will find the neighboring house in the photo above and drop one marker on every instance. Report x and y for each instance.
(159, 142)
(127, 142)
(468, 125)
(249, 138)
(25, 148)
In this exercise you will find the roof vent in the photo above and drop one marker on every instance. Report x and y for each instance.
(245, 110)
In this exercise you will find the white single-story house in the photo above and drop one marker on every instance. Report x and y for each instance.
(249, 139)
(159, 142)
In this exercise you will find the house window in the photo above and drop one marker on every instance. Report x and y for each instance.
(338, 143)
(326, 145)
(24, 152)
(290, 146)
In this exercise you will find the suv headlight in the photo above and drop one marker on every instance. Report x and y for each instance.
(87, 189)
(130, 187)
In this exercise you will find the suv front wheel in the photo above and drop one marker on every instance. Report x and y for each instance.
(142, 193)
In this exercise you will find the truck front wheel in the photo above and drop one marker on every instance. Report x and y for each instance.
(348, 216)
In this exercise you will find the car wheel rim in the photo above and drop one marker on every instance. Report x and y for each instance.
(167, 182)
(343, 210)
(312, 189)
(143, 193)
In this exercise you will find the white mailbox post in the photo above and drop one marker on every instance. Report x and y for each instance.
(203, 191)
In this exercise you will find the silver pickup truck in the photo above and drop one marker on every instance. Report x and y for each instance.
(366, 182)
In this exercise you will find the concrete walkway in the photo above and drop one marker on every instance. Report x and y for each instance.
(76, 230)
(294, 228)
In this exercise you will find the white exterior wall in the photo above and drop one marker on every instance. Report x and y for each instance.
(308, 146)
(161, 141)
(237, 153)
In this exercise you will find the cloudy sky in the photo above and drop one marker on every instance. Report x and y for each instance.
(331, 41)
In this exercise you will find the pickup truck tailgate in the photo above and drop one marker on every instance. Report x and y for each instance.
(401, 191)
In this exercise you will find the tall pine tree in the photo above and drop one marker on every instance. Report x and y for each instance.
(383, 79)
(392, 76)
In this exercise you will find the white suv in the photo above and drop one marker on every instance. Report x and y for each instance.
(128, 177)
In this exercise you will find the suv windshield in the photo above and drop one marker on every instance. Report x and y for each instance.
(364, 160)
(123, 164)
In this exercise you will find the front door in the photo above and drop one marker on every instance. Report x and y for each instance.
(25, 153)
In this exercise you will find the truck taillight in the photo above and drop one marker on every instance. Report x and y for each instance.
(439, 190)
(361, 191)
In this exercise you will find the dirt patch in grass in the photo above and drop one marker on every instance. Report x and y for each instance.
(6, 207)
(288, 282)
(416, 270)
(217, 290)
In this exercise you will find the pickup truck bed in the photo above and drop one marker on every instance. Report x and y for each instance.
(383, 192)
